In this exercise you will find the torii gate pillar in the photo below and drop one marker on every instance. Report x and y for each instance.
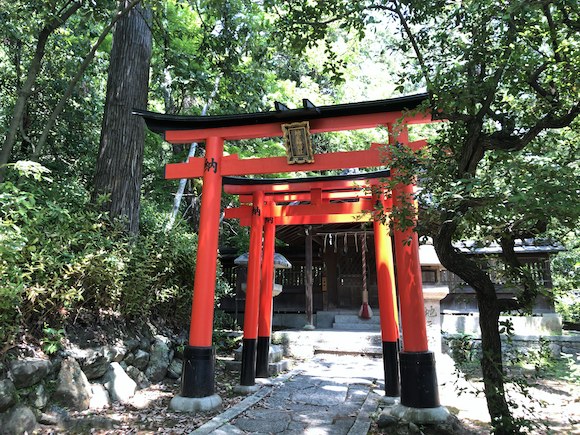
(387, 301)
(419, 387)
(266, 303)
(252, 311)
(198, 375)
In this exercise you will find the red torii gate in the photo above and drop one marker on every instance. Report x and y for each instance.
(362, 192)
(418, 379)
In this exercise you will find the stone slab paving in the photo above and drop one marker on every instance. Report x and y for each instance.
(329, 394)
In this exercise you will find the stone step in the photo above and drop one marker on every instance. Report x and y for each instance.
(303, 344)
(370, 350)
(355, 319)
(356, 326)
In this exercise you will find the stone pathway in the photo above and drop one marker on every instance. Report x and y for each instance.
(330, 394)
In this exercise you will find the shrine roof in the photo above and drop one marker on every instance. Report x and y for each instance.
(159, 122)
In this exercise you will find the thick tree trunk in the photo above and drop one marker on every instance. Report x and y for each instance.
(119, 164)
(491, 362)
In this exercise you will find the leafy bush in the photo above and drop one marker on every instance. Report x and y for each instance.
(59, 256)
(566, 276)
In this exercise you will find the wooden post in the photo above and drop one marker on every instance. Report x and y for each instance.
(419, 387)
(251, 313)
(308, 278)
(387, 300)
(265, 313)
(199, 366)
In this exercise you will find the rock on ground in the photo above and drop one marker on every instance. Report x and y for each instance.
(140, 359)
(28, 372)
(100, 397)
(121, 387)
(74, 389)
(138, 376)
(159, 360)
(19, 420)
(38, 397)
(7, 394)
(175, 368)
(115, 353)
(386, 420)
(95, 363)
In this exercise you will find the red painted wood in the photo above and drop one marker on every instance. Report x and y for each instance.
(326, 196)
(386, 276)
(327, 208)
(409, 281)
(316, 219)
(265, 311)
(233, 165)
(202, 310)
(344, 185)
(254, 274)
(304, 211)
(376, 156)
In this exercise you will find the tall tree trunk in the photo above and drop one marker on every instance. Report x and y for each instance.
(120, 160)
(489, 310)
(491, 363)
(26, 90)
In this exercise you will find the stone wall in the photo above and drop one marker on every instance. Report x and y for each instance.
(545, 324)
(567, 346)
(40, 390)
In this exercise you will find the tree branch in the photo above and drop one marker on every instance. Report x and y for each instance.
(454, 261)
(503, 61)
(575, 25)
(422, 64)
(533, 81)
(553, 33)
(529, 288)
(501, 141)
(73, 82)
(26, 89)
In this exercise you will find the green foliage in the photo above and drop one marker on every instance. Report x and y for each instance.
(463, 349)
(566, 279)
(64, 51)
(52, 340)
(60, 256)
(523, 367)
(223, 339)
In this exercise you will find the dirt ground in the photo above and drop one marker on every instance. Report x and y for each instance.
(552, 404)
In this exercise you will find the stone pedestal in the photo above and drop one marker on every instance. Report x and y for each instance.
(432, 297)
(195, 404)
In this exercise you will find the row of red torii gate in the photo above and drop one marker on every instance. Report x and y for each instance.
(268, 203)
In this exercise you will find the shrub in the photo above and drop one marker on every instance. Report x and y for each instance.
(566, 276)
(59, 256)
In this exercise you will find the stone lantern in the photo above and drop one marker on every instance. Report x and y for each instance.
(280, 262)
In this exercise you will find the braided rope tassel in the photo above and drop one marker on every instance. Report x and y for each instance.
(365, 311)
